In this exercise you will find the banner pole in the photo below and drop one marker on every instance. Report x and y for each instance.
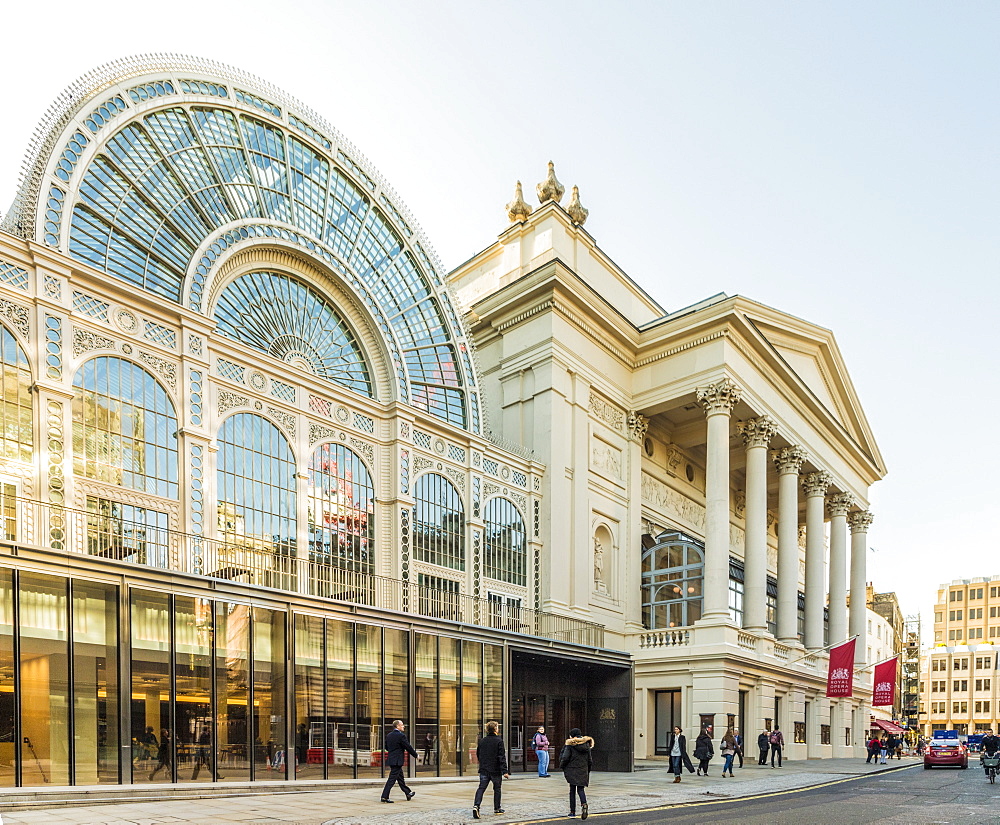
(822, 649)
(876, 664)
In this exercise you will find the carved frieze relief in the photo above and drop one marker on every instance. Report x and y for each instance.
(86, 341)
(607, 412)
(165, 369)
(16, 314)
(659, 495)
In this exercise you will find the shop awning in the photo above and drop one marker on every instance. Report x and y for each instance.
(888, 727)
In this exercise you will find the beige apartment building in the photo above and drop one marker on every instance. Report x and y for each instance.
(959, 686)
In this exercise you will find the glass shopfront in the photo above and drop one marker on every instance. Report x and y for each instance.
(210, 684)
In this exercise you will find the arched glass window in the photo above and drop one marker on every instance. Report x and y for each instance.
(288, 320)
(341, 509)
(504, 547)
(16, 438)
(124, 427)
(256, 485)
(439, 522)
(672, 571)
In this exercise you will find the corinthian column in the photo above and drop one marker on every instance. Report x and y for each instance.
(860, 522)
(788, 462)
(757, 433)
(837, 506)
(718, 401)
(814, 485)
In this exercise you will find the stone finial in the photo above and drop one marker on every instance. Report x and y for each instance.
(518, 209)
(550, 189)
(577, 212)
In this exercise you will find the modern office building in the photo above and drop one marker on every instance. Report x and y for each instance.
(272, 479)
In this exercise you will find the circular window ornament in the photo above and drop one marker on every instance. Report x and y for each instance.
(439, 446)
(257, 381)
(127, 321)
(689, 472)
(343, 414)
(647, 445)
(127, 349)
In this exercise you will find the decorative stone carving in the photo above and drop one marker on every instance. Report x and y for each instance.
(674, 459)
(421, 463)
(577, 211)
(720, 397)
(520, 500)
(166, 370)
(840, 504)
(366, 449)
(518, 209)
(550, 189)
(788, 459)
(771, 519)
(860, 520)
(605, 457)
(320, 432)
(16, 314)
(228, 400)
(802, 537)
(457, 476)
(607, 412)
(638, 425)
(816, 484)
(672, 503)
(53, 287)
(757, 432)
(85, 341)
(490, 489)
(287, 420)
(195, 345)
(599, 564)
(257, 381)
(126, 321)
(740, 505)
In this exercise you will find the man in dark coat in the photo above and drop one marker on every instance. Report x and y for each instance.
(763, 745)
(576, 761)
(491, 754)
(397, 746)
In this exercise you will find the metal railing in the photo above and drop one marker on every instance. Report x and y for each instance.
(273, 562)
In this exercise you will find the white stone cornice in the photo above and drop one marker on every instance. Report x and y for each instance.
(840, 504)
(757, 432)
(860, 521)
(816, 484)
(788, 459)
(719, 398)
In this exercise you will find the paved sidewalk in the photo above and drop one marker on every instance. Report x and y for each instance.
(449, 802)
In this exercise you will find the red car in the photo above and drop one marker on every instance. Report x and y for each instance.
(946, 752)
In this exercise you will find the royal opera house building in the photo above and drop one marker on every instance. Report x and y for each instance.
(271, 478)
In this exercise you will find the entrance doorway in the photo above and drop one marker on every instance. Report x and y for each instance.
(668, 714)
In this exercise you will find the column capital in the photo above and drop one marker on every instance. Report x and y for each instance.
(840, 504)
(720, 397)
(816, 484)
(788, 459)
(860, 520)
(757, 432)
(637, 424)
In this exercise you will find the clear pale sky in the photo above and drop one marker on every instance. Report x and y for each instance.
(837, 161)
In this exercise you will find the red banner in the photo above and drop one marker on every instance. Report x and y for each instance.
(884, 689)
(840, 676)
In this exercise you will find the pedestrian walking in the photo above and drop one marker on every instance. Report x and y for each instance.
(763, 746)
(873, 748)
(738, 738)
(777, 743)
(883, 750)
(163, 756)
(396, 747)
(576, 761)
(677, 748)
(703, 752)
(203, 754)
(540, 742)
(428, 748)
(491, 754)
(728, 752)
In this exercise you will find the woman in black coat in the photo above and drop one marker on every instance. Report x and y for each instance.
(703, 752)
(576, 762)
(677, 750)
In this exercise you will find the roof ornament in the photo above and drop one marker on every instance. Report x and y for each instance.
(518, 209)
(550, 189)
(577, 211)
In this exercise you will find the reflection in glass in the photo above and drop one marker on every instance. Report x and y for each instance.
(340, 699)
(397, 682)
(15, 400)
(504, 546)
(425, 729)
(449, 730)
(270, 757)
(310, 729)
(672, 572)
(232, 674)
(7, 711)
(152, 733)
(369, 695)
(493, 685)
(44, 669)
(124, 427)
(127, 532)
(341, 512)
(472, 704)
(193, 667)
(439, 522)
(95, 682)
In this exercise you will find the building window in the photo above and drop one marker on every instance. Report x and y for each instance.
(126, 532)
(124, 427)
(505, 552)
(772, 606)
(824, 734)
(736, 588)
(256, 497)
(937, 617)
(341, 509)
(505, 612)
(16, 432)
(439, 597)
(801, 619)
(672, 570)
(800, 733)
(439, 528)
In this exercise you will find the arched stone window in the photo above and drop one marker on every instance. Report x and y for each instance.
(439, 522)
(256, 485)
(341, 509)
(504, 547)
(124, 427)
(16, 431)
(672, 573)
